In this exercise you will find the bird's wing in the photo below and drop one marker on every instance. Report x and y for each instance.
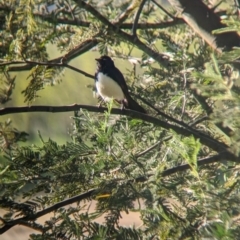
(116, 75)
(129, 102)
(95, 76)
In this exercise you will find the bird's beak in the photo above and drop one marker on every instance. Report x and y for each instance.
(97, 59)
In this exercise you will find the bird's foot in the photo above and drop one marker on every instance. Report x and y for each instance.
(100, 104)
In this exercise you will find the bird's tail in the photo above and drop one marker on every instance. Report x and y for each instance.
(133, 105)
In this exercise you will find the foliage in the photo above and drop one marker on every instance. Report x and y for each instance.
(125, 164)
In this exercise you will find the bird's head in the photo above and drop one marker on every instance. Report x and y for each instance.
(104, 61)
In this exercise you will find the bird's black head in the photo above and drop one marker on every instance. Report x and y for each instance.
(104, 61)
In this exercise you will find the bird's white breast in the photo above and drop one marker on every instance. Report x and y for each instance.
(108, 88)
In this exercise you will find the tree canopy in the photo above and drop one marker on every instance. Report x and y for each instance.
(177, 165)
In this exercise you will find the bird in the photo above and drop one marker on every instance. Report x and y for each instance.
(110, 84)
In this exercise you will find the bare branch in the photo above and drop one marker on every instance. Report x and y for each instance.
(128, 12)
(204, 139)
(50, 64)
(22, 221)
(135, 24)
(148, 149)
(60, 61)
(164, 10)
(80, 23)
(199, 120)
(201, 162)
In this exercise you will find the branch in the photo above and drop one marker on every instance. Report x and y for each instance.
(204, 139)
(135, 24)
(237, 5)
(204, 21)
(150, 148)
(199, 120)
(79, 23)
(201, 162)
(90, 43)
(52, 63)
(45, 211)
(80, 49)
(128, 12)
(160, 58)
(195, 132)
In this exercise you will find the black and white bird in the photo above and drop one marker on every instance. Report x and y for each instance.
(110, 84)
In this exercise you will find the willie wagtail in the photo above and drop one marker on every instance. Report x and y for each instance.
(110, 83)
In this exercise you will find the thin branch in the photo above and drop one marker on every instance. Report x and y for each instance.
(237, 4)
(201, 162)
(127, 13)
(50, 64)
(204, 139)
(45, 211)
(148, 149)
(183, 167)
(135, 24)
(217, 5)
(60, 61)
(52, 18)
(164, 10)
(32, 225)
(89, 44)
(160, 58)
(199, 120)
(153, 146)
(77, 22)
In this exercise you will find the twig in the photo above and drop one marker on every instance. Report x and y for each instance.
(126, 13)
(164, 10)
(153, 146)
(45, 211)
(201, 162)
(237, 4)
(135, 23)
(31, 225)
(184, 95)
(197, 121)
(148, 149)
(217, 5)
(50, 63)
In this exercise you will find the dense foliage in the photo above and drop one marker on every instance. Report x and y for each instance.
(177, 166)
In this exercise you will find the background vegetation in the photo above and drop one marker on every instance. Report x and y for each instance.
(177, 166)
